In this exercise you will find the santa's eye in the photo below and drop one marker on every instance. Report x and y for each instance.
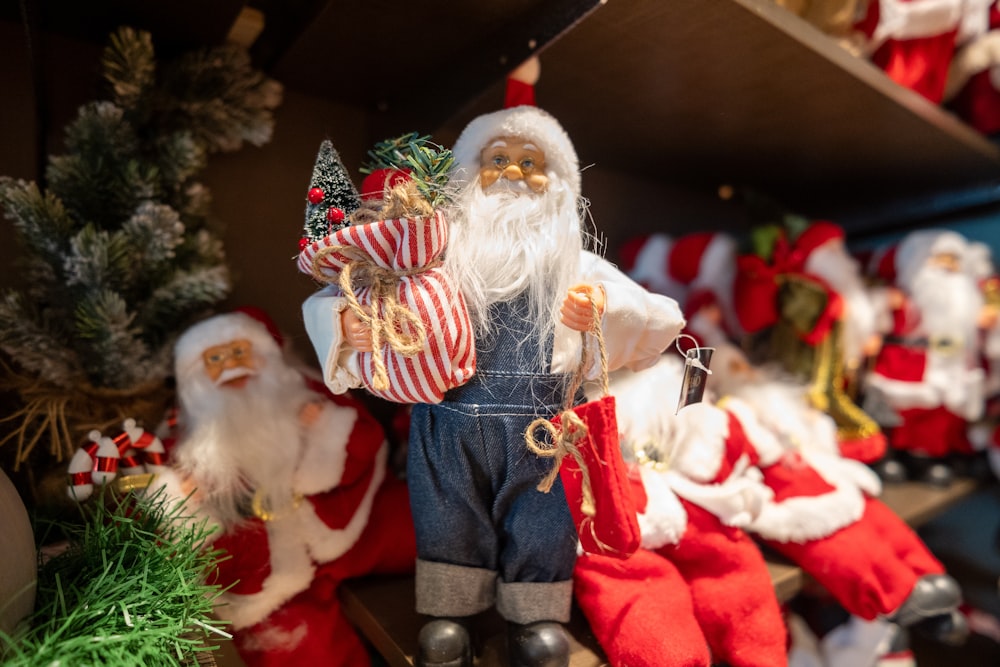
(215, 357)
(500, 161)
(527, 164)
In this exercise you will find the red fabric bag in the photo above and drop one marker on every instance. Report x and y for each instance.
(584, 442)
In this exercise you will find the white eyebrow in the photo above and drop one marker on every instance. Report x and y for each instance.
(499, 143)
(530, 147)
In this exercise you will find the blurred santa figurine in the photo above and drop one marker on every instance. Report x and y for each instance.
(811, 313)
(927, 381)
(696, 488)
(824, 514)
(295, 482)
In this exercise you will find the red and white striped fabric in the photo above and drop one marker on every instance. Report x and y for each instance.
(404, 246)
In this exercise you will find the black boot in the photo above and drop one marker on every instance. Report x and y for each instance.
(541, 644)
(951, 628)
(932, 595)
(890, 470)
(444, 642)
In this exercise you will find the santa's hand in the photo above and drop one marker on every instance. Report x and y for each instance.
(357, 334)
(577, 313)
(309, 413)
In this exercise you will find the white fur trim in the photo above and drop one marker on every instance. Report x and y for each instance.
(903, 395)
(805, 518)
(736, 501)
(524, 122)
(664, 520)
(292, 572)
(216, 331)
(913, 19)
(322, 465)
(650, 267)
(325, 544)
(717, 267)
(297, 541)
(764, 443)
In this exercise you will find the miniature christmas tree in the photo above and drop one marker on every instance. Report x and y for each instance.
(331, 198)
(117, 253)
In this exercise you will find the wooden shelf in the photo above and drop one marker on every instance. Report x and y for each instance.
(382, 608)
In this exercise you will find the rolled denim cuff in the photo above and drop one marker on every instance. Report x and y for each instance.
(528, 602)
(443, 589)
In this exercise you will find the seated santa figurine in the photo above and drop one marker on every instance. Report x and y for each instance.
(824, 514)
(926, 385)
(693, 493)
(296, 483)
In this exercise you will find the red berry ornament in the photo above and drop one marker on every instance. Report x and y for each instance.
(303, 243)
(315, 195)
(335, 215)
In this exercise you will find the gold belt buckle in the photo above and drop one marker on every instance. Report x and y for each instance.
(944, 345)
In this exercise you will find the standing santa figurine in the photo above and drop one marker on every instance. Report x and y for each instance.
(296, 483)
(486, 536)
(927, 381)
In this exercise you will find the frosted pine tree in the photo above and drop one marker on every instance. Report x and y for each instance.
(117, 254)
(332, 196)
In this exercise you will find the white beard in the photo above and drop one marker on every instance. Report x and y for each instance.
(242, 441)
(949, 304)
(843, 273)
(505, 242)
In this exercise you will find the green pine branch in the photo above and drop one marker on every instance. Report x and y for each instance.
(129, 590)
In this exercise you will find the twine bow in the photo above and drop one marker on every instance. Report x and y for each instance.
(391, 322)
(571, 429)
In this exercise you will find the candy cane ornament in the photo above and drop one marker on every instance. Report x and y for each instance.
(81, 466)
(147, 445)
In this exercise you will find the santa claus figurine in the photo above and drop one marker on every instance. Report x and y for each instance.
(486, 536)
(927, 381)
(295, 482)
(807, 307)
(824, 514)
(696, 489)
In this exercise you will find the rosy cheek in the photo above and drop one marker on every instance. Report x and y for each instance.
(488, 177)
(538, 183)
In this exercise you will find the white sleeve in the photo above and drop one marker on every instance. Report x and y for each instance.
(339, 363)
(637, 324)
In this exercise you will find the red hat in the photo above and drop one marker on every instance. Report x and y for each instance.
(817, 234)
(882, 264)
(673, 266)
(521, 82)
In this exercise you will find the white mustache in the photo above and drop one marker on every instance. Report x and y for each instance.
(229, 374)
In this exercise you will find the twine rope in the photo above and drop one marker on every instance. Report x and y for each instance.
(391, 322)
(572, 429)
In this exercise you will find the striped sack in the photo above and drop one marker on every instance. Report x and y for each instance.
(411, 249)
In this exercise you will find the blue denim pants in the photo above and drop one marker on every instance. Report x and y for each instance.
(485, 535)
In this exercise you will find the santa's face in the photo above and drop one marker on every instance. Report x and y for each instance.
(516, 160)
(230, 364)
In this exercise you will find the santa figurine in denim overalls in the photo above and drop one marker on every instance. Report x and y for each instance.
(486, 537)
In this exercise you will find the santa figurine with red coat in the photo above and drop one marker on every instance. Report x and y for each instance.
(824, 513)
(295, 481)
(698, 577)
(927, 381)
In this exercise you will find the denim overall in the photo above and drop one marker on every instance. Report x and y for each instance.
(485, 535)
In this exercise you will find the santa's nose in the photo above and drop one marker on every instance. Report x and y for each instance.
(512, 172)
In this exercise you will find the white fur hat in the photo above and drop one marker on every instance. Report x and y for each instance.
(216, 331)
(525, 122)
(917, 247)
